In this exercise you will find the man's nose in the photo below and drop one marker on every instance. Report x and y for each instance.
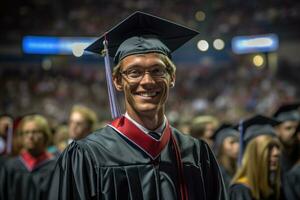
(147, 78)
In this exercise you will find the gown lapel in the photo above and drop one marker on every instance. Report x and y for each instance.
(142, 140)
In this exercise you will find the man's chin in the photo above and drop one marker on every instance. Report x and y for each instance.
(149, 108)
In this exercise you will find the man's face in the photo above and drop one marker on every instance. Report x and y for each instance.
(286, 132)
(148, 94)
(209, 130)
(33, 138)
(78, 126)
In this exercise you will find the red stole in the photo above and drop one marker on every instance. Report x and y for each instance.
(144, 141)
(151, 146)
(32, 162)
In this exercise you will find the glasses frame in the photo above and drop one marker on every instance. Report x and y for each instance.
(144, 71)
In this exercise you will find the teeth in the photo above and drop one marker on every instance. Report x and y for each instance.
(148, 94)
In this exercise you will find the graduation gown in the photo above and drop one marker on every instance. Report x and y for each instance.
(19, 180)
(239, 192)
(108, 165)
(292, 184)
(287, 162)
(226, 177)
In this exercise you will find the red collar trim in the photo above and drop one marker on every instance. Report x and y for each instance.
(144, 141)
(32, 162)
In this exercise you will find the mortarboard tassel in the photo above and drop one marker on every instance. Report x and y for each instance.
(241, 142)
(114, 107)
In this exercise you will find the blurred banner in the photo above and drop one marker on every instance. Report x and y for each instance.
(56, 45)
(255, 43)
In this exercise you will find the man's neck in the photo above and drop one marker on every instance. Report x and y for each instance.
(148, 121)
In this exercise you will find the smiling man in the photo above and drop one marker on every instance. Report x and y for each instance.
(140, 155)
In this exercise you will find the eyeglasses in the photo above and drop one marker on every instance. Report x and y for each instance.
(136, 74)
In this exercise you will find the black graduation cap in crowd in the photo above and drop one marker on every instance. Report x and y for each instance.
(258, 125)
(254, 127)
(139, 33)
(143, 33)
(288, 112)
(224, 131)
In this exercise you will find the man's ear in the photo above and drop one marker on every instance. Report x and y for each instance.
(172, 80)
(118, 83)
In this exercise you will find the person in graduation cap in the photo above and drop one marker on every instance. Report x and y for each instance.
(226, 148)
(139, 155)
(24, 177)
(258, 177)
(289, 116)
(292, 179)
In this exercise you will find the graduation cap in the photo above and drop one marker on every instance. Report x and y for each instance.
(224, 131)
(143, 33)
(138, 34)
(254, 127)
(288, 112)
(258, 125)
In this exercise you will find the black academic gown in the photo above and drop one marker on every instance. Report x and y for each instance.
(287, 161)
(17, 182)
(226, 177)
(239, 192)
(292, 184)
(106, 165)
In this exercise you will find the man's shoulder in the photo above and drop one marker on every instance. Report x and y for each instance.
(98, 136)
(12, 163)
(97, 139)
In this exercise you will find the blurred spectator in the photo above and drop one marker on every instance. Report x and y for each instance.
(226, 148)
(292, 178)
(60, 140)
(23, 177)
(289, 116)
(259, 175)
(82, 122)
(203, 127)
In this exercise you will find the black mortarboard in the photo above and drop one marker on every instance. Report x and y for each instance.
(224, 131)
(288, 112)
(142, 33)
(258, 125)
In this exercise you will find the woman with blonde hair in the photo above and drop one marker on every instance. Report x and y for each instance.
(23, 177)
(259, 174)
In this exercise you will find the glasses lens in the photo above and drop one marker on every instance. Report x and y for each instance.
(137, 74)
(158, 72)
(134, 73)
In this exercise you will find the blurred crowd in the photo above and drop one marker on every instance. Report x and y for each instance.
(62, 105)
(234, 92)
(91, 17)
